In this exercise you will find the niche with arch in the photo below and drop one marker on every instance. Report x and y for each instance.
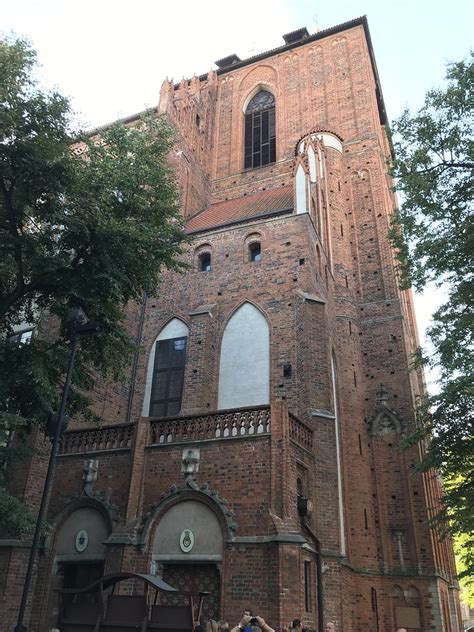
(79, 556)
(204, 542)
(188, 551)
(407, 607)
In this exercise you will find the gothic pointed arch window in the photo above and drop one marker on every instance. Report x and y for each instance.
(165, 376)
(260, 139)
(244, 371)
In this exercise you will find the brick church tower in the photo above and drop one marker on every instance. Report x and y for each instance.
(257, 453)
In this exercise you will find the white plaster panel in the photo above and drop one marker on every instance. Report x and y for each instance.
(194, 515)
(174, 329)
(332, 141)
(312, 164)
(301, 205)
(244, 373)
(87, 519)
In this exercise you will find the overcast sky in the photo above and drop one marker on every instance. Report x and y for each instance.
(110, 56)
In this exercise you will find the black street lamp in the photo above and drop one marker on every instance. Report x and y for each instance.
(81, 326)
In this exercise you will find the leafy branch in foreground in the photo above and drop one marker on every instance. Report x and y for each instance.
(85, 222)
(434, 239)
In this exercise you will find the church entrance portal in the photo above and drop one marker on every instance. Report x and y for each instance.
(188, 552)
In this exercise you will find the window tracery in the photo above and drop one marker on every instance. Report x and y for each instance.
(260, 137)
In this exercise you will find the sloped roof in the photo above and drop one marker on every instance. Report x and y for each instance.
(241, 209)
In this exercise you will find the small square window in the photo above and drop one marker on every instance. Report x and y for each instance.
(255, 253)
(205, 262)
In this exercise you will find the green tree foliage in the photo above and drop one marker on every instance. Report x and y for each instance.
(84, 222)
(461, 543)
(433, 234)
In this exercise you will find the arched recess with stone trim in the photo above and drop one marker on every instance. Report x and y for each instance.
(78, 551)
(174, 329)
(244, 366)
(406, 605)
(187, 535)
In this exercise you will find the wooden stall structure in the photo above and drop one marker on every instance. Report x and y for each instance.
(99, 607)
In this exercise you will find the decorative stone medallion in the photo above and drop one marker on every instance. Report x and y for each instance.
(82, 540)
(186, 540)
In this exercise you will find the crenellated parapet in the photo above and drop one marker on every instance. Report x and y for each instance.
(190, 105)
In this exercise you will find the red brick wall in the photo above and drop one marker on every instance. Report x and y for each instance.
(343, 302)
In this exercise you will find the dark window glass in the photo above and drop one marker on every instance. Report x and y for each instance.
(255, 252)
(260, 145)
(158, 409)
(299, 487)
(168, 377)
(205, 262)
(78, 575)
(263, 100)
(173, 408)
(159, 384)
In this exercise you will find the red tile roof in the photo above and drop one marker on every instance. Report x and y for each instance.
(241, 209)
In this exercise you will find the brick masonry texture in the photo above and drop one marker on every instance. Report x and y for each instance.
(327, 287)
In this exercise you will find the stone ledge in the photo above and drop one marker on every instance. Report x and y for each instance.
(90, 452)
(288, 538)
(13, 543)
(171, 444)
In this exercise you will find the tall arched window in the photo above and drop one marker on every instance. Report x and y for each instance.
(260, 142)
(244, 372)
(165, 377)
(301, 192)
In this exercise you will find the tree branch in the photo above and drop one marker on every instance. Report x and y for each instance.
(447, 165)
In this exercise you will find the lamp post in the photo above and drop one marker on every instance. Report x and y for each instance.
(80, 326)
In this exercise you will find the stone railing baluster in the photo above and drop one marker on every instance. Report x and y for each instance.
(221, 425)
(118, 437)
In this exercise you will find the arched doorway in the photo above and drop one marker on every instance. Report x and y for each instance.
(188, 552)
(79, 554)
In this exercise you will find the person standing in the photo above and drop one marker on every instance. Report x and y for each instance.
(257, 624)
(296, 626)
